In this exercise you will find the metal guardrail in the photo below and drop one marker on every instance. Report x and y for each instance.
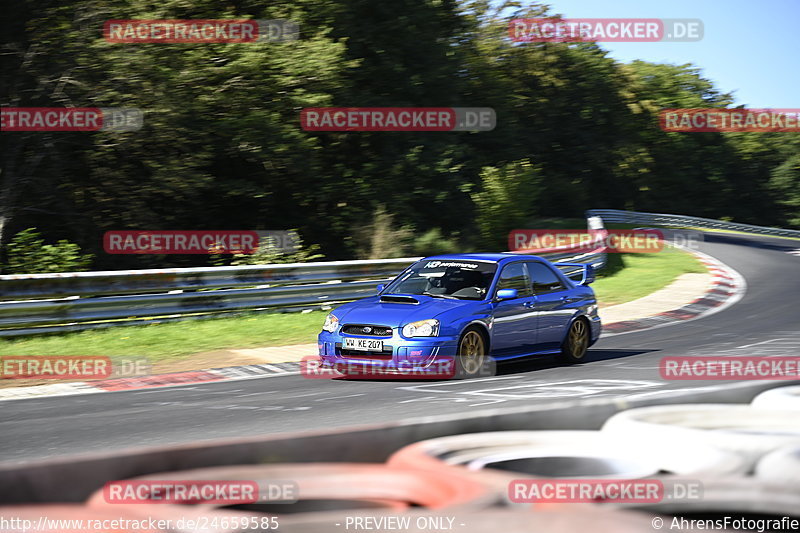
(595, 255)
(683, 221)
(127, 297)
(117, 282)
(45, 303)
(41, 303)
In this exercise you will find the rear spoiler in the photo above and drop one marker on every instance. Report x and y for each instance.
(585, 269)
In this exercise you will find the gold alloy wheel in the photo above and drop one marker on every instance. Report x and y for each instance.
(471, 352)
(578, 339)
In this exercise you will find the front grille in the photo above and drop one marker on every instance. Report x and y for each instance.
(385, 354)
(372, 331)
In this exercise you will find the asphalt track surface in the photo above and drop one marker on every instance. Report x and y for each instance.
(765, 322)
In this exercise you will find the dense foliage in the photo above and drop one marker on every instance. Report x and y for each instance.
(222, 146)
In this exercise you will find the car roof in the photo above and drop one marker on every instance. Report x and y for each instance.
(503, 257)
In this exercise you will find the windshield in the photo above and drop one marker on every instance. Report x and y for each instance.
(463, 280)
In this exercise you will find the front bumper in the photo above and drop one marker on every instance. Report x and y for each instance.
(399, 352)
(595, 328)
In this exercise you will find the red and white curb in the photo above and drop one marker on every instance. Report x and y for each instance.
(174, 379)
(727, 288)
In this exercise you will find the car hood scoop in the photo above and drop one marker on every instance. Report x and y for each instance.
(398, 299)
(396, 310)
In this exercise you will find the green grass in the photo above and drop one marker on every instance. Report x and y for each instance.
(627, 277)
(631, 276)
(161, 342)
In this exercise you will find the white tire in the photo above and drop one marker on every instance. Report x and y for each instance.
(781, 466)
(741, 429)
(730, 496)
(779, 398)
(566, 454)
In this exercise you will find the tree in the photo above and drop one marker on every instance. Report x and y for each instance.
(785, 182)
(509, 196)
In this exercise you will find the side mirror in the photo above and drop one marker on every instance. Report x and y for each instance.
(588, 275)
(507, 294)
(381, 287)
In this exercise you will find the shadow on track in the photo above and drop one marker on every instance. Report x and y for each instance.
(544, 362)
(516, 366)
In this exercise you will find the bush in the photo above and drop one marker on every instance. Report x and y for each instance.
(383, 239)
(267, 254)
(28, 254)
(432, 242)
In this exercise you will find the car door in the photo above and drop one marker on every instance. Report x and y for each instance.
(553, 305)
(514, 324)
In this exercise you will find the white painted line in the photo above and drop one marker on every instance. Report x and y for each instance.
(337, 397)
(757, 343)
(47, 391)
(275, 369)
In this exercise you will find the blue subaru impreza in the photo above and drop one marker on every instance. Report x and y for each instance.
(469, 308)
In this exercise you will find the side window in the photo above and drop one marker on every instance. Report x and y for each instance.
(544, 279)
(515, 276)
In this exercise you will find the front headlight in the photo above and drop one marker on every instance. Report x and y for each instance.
(422, 328)
(331, 323)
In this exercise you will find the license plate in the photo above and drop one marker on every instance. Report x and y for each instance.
(364, 345)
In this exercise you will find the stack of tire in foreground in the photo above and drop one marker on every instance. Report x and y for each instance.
(746, 458)
(330, 493)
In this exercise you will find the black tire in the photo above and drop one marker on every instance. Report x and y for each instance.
(574, 347)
